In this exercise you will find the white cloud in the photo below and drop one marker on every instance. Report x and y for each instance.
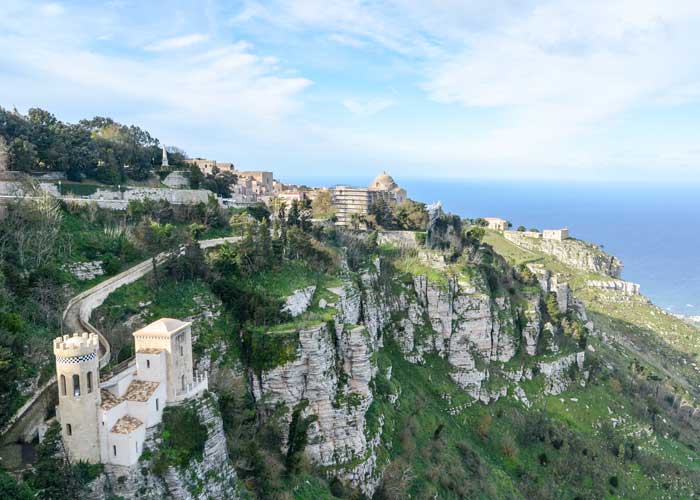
(367, 107)
(208, 97)
(51, 9)
(176, 43)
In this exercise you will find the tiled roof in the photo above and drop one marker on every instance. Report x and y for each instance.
(126, 424)
(109, 400)
(140, 390)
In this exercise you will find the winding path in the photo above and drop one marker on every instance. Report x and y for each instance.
(76, 318)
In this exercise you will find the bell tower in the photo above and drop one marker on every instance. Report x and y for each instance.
(78, 377)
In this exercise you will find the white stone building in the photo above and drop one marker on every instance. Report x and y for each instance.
(555, 234)
(106, 420)
(496, 223)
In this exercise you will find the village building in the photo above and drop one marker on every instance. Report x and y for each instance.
(496, 223)
(105, 420)
(555, 234)
(259, 182)
(348, 200)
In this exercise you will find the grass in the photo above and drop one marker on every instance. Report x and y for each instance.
(414, 266)
(282, 282)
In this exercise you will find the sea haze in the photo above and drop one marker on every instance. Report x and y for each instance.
(653, 228)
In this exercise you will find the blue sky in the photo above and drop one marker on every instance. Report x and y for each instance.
(565, 89)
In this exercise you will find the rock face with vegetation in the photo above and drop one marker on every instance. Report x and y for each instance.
(573, 253)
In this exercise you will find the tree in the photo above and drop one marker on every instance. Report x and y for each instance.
(382, 213)
(11, 489)
(323, 205)
(412, 216)
(196, 176)
(155, 238)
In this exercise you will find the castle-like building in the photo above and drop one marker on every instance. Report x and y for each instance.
(105, 420)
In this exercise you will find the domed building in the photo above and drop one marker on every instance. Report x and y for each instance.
(349, 200)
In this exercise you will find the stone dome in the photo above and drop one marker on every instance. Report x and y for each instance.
(383, 182)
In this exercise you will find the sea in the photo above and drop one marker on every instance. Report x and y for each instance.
(653, 228)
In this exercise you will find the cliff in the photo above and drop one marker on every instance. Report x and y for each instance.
(491, 341)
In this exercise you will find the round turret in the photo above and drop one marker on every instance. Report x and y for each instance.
(78, 377)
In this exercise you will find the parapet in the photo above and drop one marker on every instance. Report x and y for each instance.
(78, 344)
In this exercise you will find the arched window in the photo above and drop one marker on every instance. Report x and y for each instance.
(183, 382)
(63, 385)
(76, 385)
(156, 404)
(69, 430)
(114, 450)
(148, 363)
(89, 382)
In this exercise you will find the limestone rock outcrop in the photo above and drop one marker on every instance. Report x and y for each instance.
(626, 287)
(299, 301)
(574, 253)
(334, 379)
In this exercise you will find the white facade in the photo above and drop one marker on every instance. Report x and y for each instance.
(496, 223)
(108, 423)
(555, 234)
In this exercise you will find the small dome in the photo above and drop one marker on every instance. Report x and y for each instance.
(383, 182)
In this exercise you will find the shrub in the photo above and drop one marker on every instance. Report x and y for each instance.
(184, 437)
(508, 446)
(484, 425)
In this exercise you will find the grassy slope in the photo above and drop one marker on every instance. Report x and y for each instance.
(641, 334)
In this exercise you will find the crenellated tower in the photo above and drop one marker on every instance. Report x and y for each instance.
(78, 374)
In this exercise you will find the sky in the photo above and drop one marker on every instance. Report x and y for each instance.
(499, 89)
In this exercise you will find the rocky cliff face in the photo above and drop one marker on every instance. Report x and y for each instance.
(331, 372)
(574, 253)
(482, 335)
(213, 477)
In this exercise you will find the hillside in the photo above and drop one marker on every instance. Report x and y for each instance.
(463, 366)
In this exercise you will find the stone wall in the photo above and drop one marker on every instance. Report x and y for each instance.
(402, 239)
(626, 287)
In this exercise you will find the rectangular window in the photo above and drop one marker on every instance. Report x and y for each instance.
(89, 382)
(76, 385)
(156, 404)
(114, 450)
(148, 363)
(69, 430)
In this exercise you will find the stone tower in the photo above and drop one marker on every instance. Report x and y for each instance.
(78, 375)
(175, 338)
(165, 158)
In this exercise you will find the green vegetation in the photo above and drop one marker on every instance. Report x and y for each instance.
(183, 438)
(53, 477)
